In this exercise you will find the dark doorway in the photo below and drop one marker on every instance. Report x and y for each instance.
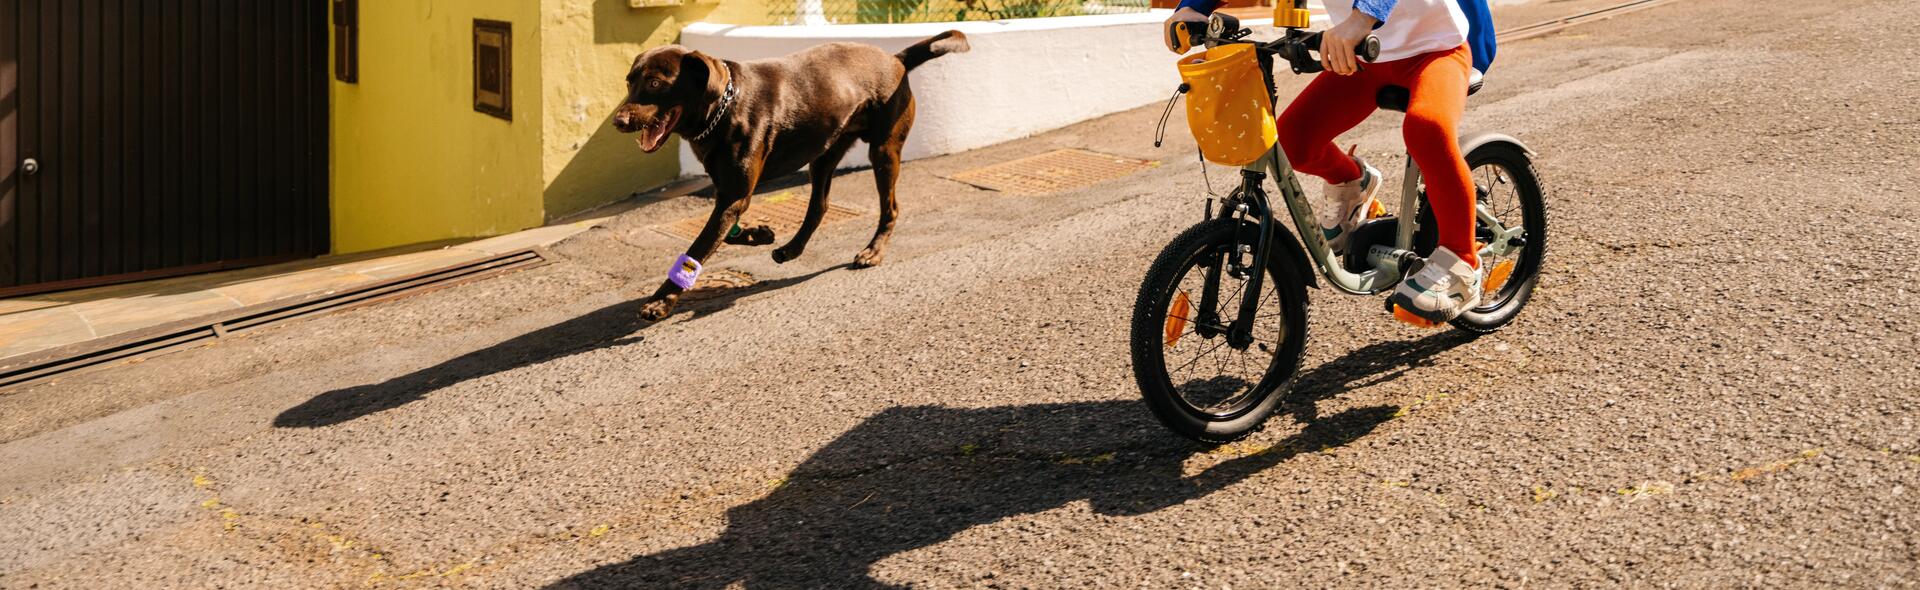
(144, 138)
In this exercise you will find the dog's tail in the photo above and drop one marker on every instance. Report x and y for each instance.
(932, 47)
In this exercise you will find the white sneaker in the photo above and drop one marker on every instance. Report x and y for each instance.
(1348, 205)
(1444, 288)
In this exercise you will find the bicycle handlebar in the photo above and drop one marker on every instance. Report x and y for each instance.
(1297, 47)
(1368, 49)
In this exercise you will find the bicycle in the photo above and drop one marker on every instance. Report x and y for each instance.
(1227, 305)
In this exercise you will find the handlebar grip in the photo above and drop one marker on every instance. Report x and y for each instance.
(1368, 48)
(1182, 37)
(1303, 62)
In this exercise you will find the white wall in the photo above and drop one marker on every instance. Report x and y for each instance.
(1022, 77)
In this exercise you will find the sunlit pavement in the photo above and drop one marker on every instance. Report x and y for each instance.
(1715, 385)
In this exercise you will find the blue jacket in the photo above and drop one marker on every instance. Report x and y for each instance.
(1479, 20)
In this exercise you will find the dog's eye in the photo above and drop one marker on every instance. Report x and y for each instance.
(657, 85)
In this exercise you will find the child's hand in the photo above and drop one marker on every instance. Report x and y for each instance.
(1336, 45)
(1186, 15)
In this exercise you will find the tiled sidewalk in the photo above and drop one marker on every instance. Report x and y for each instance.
(38, 322)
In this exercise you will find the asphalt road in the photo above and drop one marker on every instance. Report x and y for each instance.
(1715, 385)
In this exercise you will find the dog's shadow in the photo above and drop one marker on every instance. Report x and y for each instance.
(607, 327)
(708, 300)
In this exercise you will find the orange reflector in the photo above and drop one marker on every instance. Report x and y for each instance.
(1497, 277)
(1407, 317)
(1177, 318)
(1377, 210)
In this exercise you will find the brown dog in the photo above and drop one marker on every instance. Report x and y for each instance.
(767, 118)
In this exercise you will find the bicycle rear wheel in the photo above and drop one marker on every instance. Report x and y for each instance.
(1195, 383)
(1504, 178)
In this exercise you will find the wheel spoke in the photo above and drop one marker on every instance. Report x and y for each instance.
(1203, 354)
(1243, 364)
(1220, 368)
(1237, 364)
(1222, 303)
(1226, 387)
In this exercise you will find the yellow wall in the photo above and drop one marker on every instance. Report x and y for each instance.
(743, 12)
(412, 161)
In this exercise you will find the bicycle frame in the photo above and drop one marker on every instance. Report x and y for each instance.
(1388, 263)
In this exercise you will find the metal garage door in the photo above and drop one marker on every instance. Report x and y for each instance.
(142, 138)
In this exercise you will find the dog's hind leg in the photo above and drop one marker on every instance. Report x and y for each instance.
(821, 171)
(759, 235)
(885, 142)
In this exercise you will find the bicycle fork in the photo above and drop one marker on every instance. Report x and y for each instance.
(1252, 201)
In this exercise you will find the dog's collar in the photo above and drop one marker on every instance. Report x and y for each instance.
(726, 101)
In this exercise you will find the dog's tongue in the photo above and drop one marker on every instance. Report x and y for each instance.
(651, 137)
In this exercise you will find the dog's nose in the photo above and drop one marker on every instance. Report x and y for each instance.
(622, 120)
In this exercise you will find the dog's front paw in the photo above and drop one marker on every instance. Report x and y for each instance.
(785, 253)
(759, 235)
(656, 310)
(869, 257)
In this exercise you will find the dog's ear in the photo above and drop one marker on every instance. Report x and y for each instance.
(699, 70)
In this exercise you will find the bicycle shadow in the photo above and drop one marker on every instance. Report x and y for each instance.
(614, 325)
(1366, 366)
(911, 477)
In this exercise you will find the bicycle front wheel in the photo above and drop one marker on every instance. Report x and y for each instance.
(1194, 381)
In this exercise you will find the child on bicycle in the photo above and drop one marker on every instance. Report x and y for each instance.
(1435, 49)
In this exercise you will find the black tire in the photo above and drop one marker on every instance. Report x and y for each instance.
(1284, 347)
(1526, 197)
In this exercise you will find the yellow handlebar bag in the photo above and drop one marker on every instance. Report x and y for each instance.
(1228, 109)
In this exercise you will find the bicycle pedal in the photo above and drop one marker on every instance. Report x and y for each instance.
(1407, 317)
(1376, 210)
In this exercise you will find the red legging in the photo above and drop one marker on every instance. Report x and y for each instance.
(1333, 104)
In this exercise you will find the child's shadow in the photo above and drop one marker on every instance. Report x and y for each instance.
(914, 476)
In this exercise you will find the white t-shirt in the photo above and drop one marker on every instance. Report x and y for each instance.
(1413, 28)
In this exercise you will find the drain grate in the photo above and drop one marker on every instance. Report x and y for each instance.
(783, 211)
(718, 283)
(1052, 172)
(165, 338)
